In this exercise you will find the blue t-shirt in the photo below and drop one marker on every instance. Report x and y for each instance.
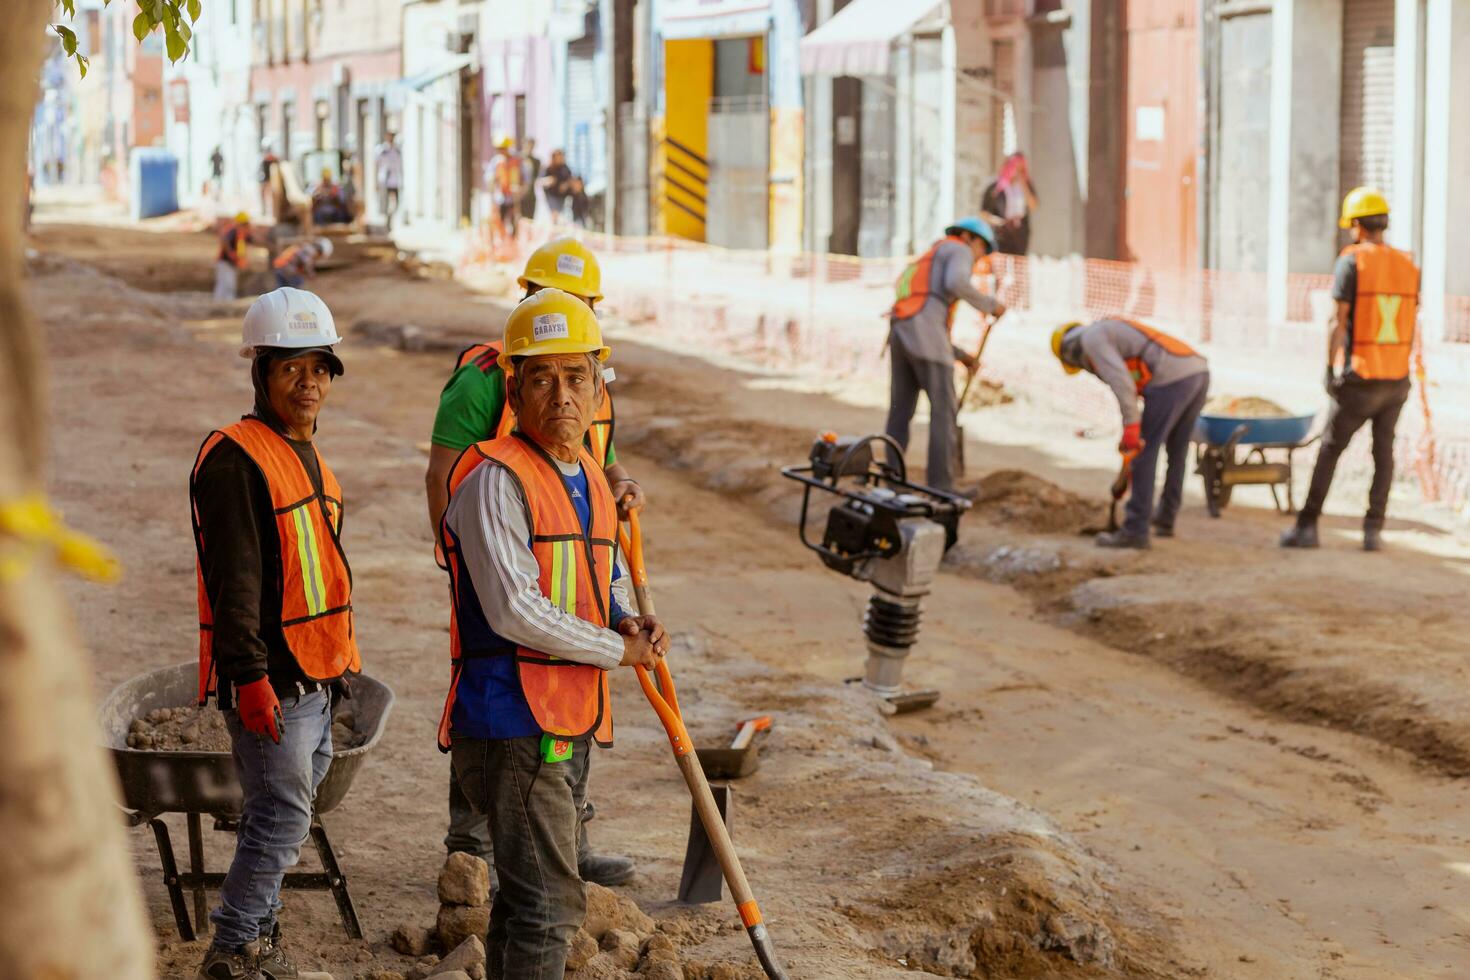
(489, 703)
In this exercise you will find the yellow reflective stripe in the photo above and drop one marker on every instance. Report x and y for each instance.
(570, 589)
(558, 571)
(308, 553)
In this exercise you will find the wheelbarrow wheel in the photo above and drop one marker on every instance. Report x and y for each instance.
(1217, 498)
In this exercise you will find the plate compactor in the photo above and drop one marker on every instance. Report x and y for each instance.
(886, 531)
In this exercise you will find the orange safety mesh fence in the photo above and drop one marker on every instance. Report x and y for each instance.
(826, 314)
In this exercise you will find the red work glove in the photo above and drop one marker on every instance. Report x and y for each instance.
(1132, 443)
(259, 710)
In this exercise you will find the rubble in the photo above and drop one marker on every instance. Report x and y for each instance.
(465, 880)
(468, 956)
(201, 728)
(412, 940)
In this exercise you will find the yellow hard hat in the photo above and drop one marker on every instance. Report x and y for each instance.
(505, 143)
(243, 218)
(326, 173)
(552, 322)
(1361, 202)
(566, 264)
(1057, 336)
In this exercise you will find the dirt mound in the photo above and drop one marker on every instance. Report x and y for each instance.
(987, 394)
(1245, 407)
(1025, 500)
(192, 728)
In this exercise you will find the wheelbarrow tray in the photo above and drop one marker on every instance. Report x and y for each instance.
(156, 781)
(1218, 430)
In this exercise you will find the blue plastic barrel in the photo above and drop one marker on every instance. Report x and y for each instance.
(155, 174)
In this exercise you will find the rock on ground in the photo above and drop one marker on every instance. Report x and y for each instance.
(467, 956)
(412, 940)
(465, 880)
(457, 923)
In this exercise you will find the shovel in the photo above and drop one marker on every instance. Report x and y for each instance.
(959, 406)
(665, 701)
(1117, 492)
(742, 757)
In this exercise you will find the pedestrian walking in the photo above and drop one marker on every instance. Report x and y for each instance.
(216, 172)
(472, 408)
(540, 620)
(921, 353)
(1369, 355)
(581, 206)
(1172, 379)
(530, 173)
(232, 258)
(1007, 203)
(388, 167)
(268, 163)
(556, 183)
(276, 638)
(505, 187)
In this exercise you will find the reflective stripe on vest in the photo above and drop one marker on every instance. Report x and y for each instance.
(1138, 367)
(567, 699)
(232, 248)
(316, 583)
(286, 257)
(1385, 311)
(914, 286)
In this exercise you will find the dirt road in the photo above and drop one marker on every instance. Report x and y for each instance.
(1152, 705)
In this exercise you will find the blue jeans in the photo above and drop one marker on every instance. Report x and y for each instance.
(1169, 414)
(280, 784)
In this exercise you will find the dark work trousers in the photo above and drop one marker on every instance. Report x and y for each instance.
(1358, 401)
(533, 807)
(469, 829)
(1169, 414)
(910, 375)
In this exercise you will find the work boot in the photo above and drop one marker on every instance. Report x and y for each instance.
(1372, 538)
(1300, 536)
(1122, 539)
(274, 964)
(225, 964)
(605, 869)
(1162, 530)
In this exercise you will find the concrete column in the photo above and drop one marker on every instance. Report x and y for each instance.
(1306, 85)
(903, 164)
(949, 67)
(1446, 235)
(1406, 229)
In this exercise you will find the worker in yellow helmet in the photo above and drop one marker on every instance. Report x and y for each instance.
(232, 258)
(1374, 331)
(472, 408)
(1171, 379)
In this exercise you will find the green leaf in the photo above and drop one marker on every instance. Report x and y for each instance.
(184, 31)
(141, 26)
(68, 39)
(194, 9)
(70, 6)
(83, 63)
(177, 46)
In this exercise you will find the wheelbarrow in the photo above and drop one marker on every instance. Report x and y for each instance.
(197, 784)
(1219, 440)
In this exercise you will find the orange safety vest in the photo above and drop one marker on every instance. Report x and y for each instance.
(1138, 367)
(1385, 311)
(316, 584)
(914, 287)
(232, 247)
(486, 357)
(287, 256)
(568, 700)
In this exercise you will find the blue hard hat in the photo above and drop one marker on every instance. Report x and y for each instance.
(975, 227)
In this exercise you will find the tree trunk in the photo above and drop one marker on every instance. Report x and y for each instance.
(70, 906)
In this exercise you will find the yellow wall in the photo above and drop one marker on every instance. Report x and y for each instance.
(682, 171)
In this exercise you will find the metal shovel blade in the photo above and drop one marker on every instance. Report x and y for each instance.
(703, 881)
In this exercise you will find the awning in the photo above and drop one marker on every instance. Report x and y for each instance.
(451, 64)
(858, 40)
(682, 19)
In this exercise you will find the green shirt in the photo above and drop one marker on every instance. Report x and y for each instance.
(470, 407)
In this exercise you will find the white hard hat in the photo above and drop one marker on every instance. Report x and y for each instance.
(324, 246)
(290, 319)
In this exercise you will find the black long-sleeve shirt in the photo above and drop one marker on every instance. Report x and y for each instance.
(241, 566)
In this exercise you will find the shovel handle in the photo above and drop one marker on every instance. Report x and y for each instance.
(666, 705)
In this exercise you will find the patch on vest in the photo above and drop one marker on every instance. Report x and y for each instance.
(1388, 316)
(570, 265)
(550, 326)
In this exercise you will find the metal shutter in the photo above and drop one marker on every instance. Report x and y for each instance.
(1367, 95)
(585, 145)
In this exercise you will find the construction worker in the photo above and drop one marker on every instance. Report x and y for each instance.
(505, 185)
(472, 408)
(232, 257)
(539, 621)
(328, 203)
(297, 262)
(1373, 339)
(276, 638)
(1137, 361)
(929, 292)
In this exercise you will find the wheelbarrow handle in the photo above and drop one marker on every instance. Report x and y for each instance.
(666, 706)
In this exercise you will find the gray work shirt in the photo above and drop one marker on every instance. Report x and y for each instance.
(1108, 344)
(489, 516)
(925, 335)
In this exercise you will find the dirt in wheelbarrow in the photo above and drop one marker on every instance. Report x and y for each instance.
(1083, 801)
(195, 728)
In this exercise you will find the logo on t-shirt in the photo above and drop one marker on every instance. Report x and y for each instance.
(550, 326)
(570, 265)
